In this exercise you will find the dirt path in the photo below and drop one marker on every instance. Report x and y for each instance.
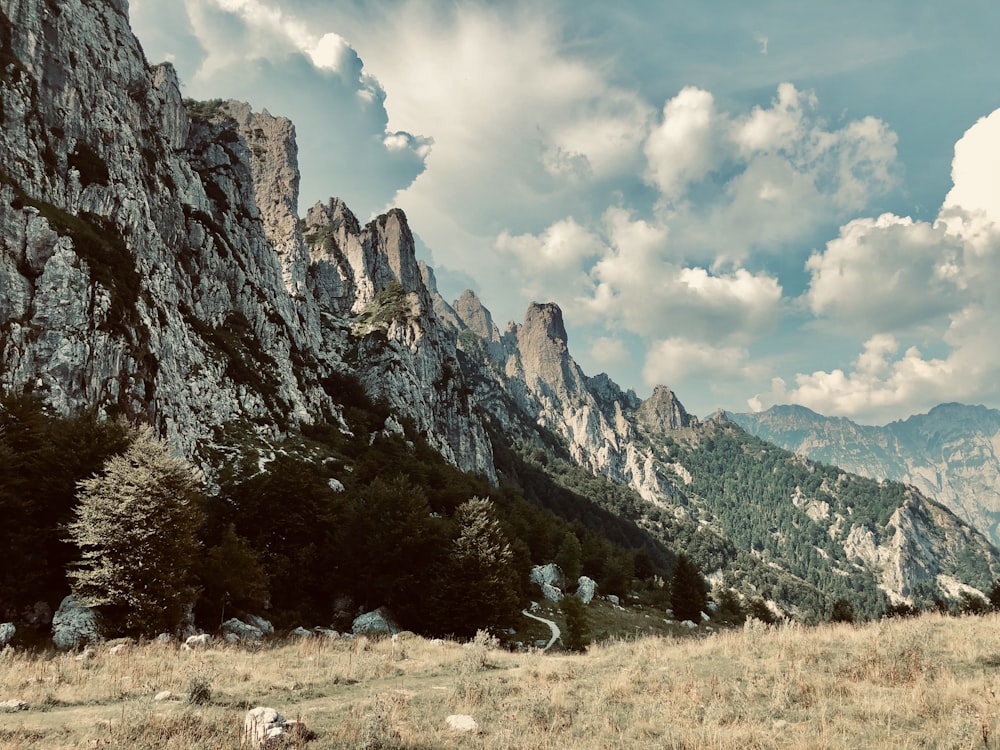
(552, 626)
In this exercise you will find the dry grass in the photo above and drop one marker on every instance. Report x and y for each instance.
(930, 682)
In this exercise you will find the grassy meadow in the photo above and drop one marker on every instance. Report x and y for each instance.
(928, 682)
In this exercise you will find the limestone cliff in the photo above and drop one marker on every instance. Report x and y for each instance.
(152, 264)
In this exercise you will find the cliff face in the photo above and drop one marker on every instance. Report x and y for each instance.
(151, 261)
(951, 454)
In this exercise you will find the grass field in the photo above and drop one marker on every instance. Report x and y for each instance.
(929, 682)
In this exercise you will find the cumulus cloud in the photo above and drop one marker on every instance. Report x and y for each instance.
(900, 282)
(888, 274)
(678, 359)
(766, 179)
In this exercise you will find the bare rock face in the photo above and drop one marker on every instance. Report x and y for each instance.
(662, 412)
(152, 262)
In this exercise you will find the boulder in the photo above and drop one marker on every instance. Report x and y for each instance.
(326, 632)
(377, 623)
(74, 625)
(117, 649)
(550, 574)
(86, 655)
(462, 723)
(264, 626)
(586, 589)
(235, 630)
(163, 695)
(300, 632)
(12, 705)
(614, 599)
(262, 725)
(690, 625)
(7, 631)
(202, 640)
(551, 593)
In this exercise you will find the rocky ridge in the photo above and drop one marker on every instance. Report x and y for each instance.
(151, 262)
(951, 454)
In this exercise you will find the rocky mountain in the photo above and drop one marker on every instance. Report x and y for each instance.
(951, 454)
(152, 265)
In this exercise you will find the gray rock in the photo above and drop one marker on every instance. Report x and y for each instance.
(550, 574)
(264, 626)
(117, 649)
(377, 623)
(10, 706)
(586, 589)
(551, 593)
(163, 695)
(240, 631)
(690, 625)
(87, 654)
(300, 632)
(326, 632)
(7, 631)
(613, 599)
(74, 625)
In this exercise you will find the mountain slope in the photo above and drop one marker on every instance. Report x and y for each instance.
(952, 453)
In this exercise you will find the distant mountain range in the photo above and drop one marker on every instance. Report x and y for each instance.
(949, 454)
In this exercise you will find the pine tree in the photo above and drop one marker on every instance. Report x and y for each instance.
(689, 596)
(575, 638)
(482, 560)
(136, 527)
(568, 558)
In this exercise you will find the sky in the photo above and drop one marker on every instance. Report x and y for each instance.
(752, 203)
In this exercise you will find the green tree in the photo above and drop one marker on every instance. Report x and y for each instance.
(842, 611)
(689, 595)
(568, 558)
(575, 636)
(136, 529)
(994, 595)
(484, 578)
(232, 578)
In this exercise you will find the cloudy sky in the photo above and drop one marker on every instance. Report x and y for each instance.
(753, 203)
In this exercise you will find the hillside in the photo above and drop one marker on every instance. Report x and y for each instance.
(153, 270)
(950, 454)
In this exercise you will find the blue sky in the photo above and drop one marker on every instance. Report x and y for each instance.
(776, 202)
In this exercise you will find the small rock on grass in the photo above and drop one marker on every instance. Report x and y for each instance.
(462, 723)
(12, 705)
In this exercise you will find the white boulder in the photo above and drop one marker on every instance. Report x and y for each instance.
(74, 624)
(462, 723)
(261, 725)
(12, 705)
(7, 631)
(202, 640)
(586, 589)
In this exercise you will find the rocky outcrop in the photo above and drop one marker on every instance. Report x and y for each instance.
(152, 263)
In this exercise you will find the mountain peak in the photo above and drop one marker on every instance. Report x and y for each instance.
(546, 319)
(662, 412)
(475, 316)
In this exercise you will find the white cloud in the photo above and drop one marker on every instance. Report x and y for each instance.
(608, 352)
(683, 148)
(885, 274)
(677, 359)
